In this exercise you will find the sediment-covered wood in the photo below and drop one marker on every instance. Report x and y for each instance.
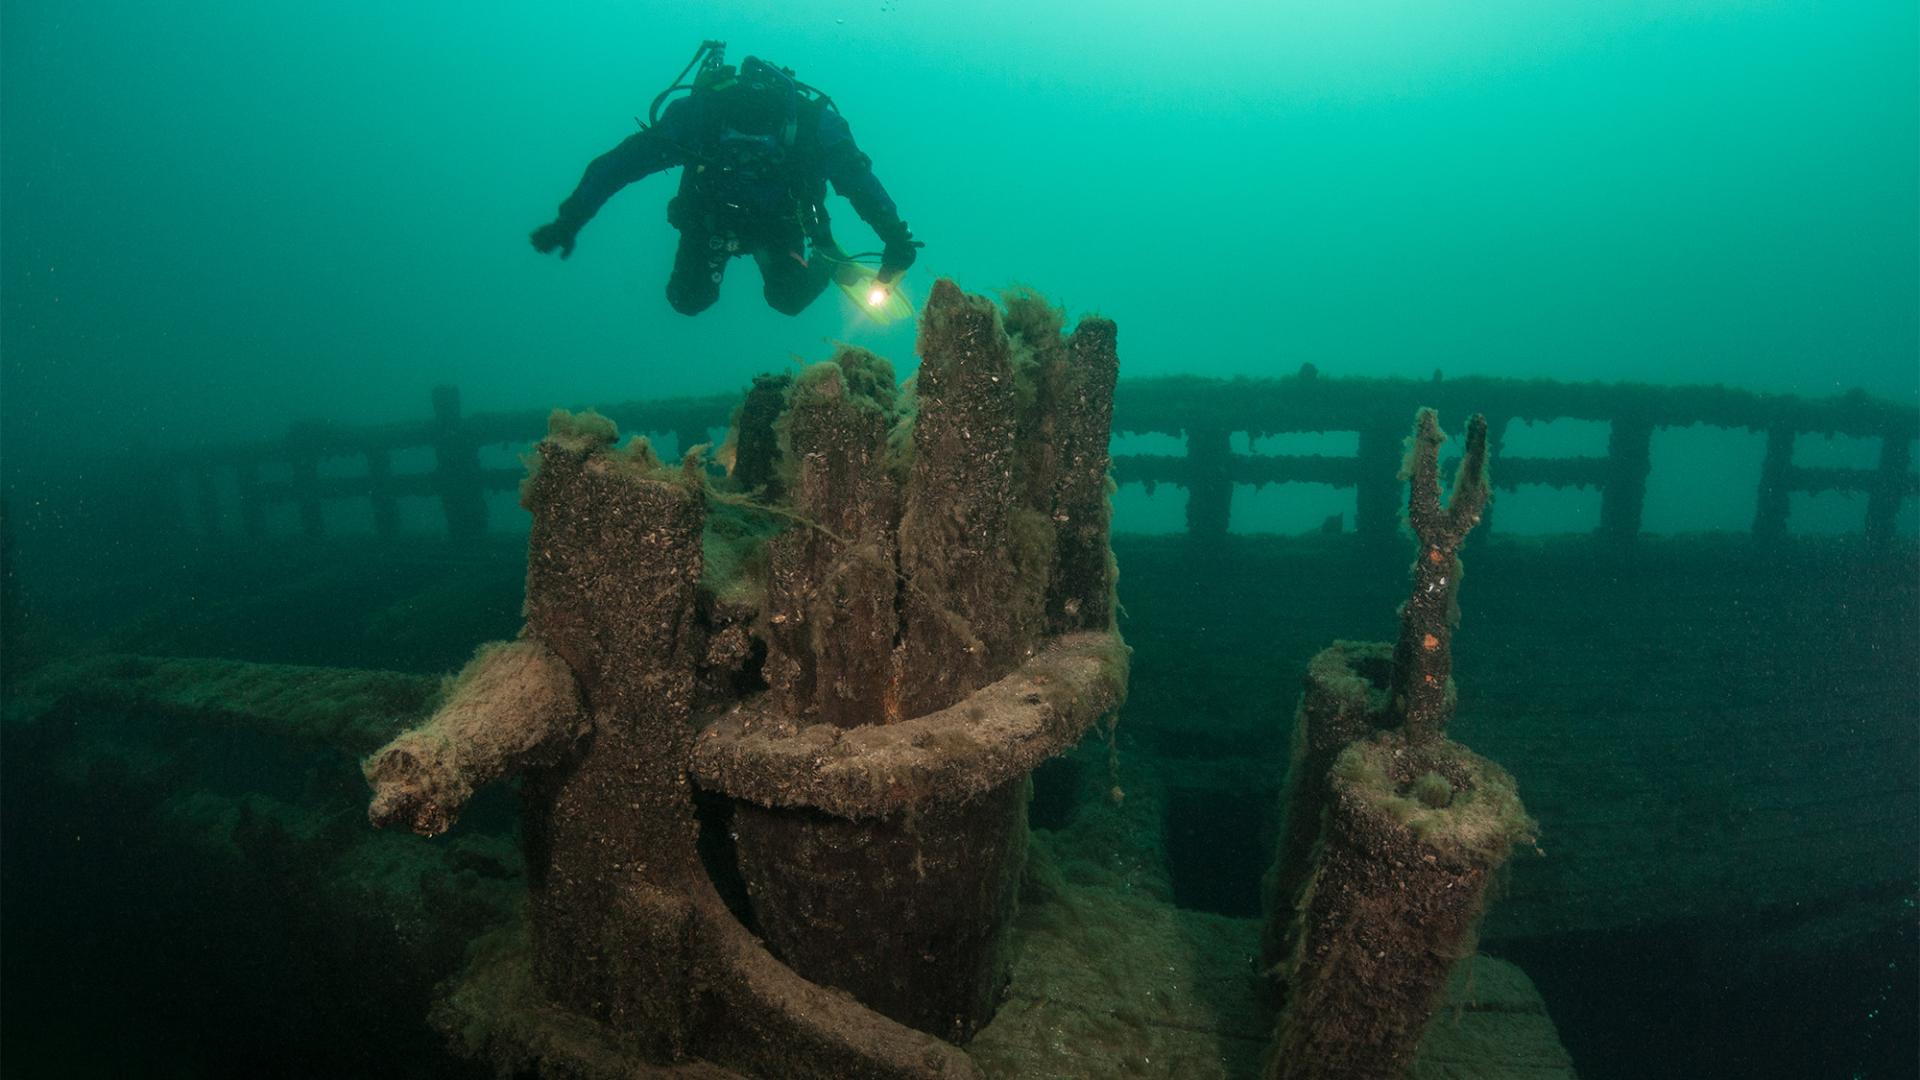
(1080, 592)
(755, 448)
(997, 734)
(348, 709)
(648, 968)
(832, 582)
(958, 626)
(766, 1021)
(1344, 698)
(612, 566)
(515, 705)
(1423, 692)
(779, 1024)
(1410, 841)
(910, 913)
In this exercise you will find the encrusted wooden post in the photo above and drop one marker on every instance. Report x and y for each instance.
(611, 566)
(1345, 698)
(1423, 657)
(890, 779)
(456, 467)
(634, 961)
(1209, 482)
(831, 583)
(872, 659)
(1389, 843)
(956, 542)
(755, 444)
(1770, 513)
(1629, 459)
(1080, 594)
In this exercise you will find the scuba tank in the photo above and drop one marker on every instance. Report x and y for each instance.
(716, 74)
(758, 114)
(744, 171)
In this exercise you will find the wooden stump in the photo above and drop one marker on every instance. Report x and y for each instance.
(1412, 837)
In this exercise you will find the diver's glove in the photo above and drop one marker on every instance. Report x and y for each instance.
(900, 251)
(554, 234)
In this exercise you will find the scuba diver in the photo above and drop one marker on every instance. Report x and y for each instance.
(757, 149)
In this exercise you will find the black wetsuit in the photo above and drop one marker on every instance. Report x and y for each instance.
(743, 194)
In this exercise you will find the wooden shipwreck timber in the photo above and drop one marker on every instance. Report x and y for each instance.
(861, 644)
(775, 713)
(864, 641)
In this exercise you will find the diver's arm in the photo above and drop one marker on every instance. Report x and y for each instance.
(638, 156)
(852, 175)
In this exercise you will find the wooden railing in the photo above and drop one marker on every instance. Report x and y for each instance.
(1205, 412)
(1208, 411)
(457, 480)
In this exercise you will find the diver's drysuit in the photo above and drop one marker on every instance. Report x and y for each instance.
(757, 155)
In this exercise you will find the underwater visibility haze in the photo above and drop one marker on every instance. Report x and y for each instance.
(275, 353)
(219, 220)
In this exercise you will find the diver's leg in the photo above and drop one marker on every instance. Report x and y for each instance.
(698, 265)
(792, 280)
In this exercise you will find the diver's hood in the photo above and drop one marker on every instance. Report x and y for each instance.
(763, 99)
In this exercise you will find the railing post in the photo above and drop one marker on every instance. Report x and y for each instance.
(457, 468)
(1629, 459)
(1376, 509)
(1890, 483)
(1770, 515)
(1209, 483)
(386, 510)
